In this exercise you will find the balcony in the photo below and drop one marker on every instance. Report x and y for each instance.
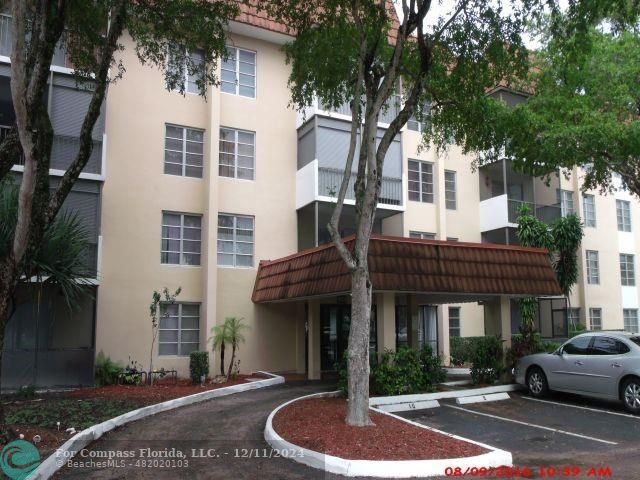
(343, 112)
(315, 183)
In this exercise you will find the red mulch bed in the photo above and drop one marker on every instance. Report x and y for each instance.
(164, 389)
(318, 424)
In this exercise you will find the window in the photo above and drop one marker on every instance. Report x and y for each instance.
(452, 239)
(235, 241)
(607, 346)
(420, 181)
(573, 316)
(454, 321)
(595, 318)
(627, 270)
(179, 329)
(450, 189)
(418, 125)
(237, 153)
(593, 267)
(589, 206)
(577, 346)
(181, 236)
(623, 212)
(239, 73)
(178, 65)
(565, 199)
(402, 326)
(183, 151)
(630, 317)
(422, 235)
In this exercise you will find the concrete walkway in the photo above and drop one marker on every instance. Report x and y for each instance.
(220, 439)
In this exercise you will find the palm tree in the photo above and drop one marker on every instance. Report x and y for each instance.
(60, 259)
(220, 337)
(235, 328)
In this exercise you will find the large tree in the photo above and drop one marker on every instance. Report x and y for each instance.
(357, 52)
(584, 108)
(90, 33)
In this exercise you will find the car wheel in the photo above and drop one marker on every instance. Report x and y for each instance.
(537, 382)
(631, 395)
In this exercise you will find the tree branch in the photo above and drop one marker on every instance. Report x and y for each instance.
(116, 27)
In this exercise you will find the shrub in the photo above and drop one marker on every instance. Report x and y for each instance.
(486, 359)
(26, 392)
(405, 371)
(198, 366)
(106, 370)
(462, 348)
(577, 329)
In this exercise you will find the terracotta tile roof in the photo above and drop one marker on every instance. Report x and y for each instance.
(250, 14)
(411, 265)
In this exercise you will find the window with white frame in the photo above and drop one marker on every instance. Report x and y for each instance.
(453, 239)
(418, 125)
(239, 73)
(565, 199)
(630, 316)
(593, 267)
(181, 239)
(595, 318)
(235, 240)
(237, 153)
(179, 328)
(589, 207)
(183, 151)
(450, 189)
(422, 235)
(178, 65)
(454, 321)
(623, 213)
(573, 316)
(420, 181)
(627, 270)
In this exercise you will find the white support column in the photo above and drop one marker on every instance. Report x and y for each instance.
(505, 321)
(313, 345)
(386, 318)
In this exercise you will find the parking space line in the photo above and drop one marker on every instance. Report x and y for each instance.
(628, 415)
(586, 437)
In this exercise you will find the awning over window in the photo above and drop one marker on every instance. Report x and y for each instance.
(412, 265)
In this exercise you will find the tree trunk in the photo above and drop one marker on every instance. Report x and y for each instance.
(222, 359)
(7, 288)
(233, 359)
(358, 349)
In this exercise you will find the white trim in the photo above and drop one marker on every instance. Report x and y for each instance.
(60, 173)
(80, 440)
(383, 468)
(399, 399)
(555, 430)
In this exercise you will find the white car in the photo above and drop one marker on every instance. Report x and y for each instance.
(597, 364)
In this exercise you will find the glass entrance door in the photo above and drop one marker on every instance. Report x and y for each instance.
(335, 321)
(428, 327)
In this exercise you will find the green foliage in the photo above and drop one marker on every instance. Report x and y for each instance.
(522, 345)
(462, 348)
(405, 371)
(198, 366)
(235, 328)
(26, 392)
(567, 235)
(486, 360)
(61, 258)
(585, 110)
(576, 329)
(106, 370)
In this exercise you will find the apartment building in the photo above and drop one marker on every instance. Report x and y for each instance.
(228, 196)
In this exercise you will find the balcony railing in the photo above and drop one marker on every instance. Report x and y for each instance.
(389, 111)
(60, 58)
(64, 150)
(329, 180)
(545, 213)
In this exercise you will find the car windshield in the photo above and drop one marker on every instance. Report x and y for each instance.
(635, 340)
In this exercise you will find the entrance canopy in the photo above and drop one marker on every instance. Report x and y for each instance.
(448, 269)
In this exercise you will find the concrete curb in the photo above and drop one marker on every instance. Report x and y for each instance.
(492, 397)
(80, 440)
(382, 468)
(411, 402)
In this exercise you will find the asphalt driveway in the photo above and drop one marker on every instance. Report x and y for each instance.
(559, 437)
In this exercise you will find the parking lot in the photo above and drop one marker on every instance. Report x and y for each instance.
(558, 432)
